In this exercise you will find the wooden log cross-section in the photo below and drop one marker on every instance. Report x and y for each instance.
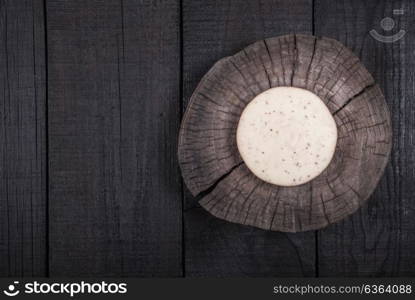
(208, 154)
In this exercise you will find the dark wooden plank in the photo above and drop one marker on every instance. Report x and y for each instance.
(212, 30)
(115, 196)
(23, 135)
(379, 240)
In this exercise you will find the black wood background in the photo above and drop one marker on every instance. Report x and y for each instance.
(91, 97)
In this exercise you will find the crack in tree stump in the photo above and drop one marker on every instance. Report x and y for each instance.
(208, 154)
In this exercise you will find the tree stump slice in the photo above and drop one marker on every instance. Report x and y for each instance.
(210, 160)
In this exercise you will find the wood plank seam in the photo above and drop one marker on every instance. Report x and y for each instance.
(45, 20)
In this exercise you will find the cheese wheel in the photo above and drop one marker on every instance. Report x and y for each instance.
(286, 136)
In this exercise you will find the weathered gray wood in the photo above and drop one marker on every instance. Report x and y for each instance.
(114, 109)
(207, 147)
(330, 70)
(379, 240)
(213, 30)
(23, 248)
(205, 151)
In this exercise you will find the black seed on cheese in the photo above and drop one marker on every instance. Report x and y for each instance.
(300, 140)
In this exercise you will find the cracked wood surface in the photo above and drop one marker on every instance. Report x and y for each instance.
(128, 221)
(207, 145)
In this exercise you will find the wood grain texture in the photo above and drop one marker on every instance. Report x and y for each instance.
(213, 30)
(115, 191)
(23, 248)
(115, 207)
(379, 240)
(209, 157)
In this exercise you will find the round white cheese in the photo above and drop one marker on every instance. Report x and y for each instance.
(286, 136)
